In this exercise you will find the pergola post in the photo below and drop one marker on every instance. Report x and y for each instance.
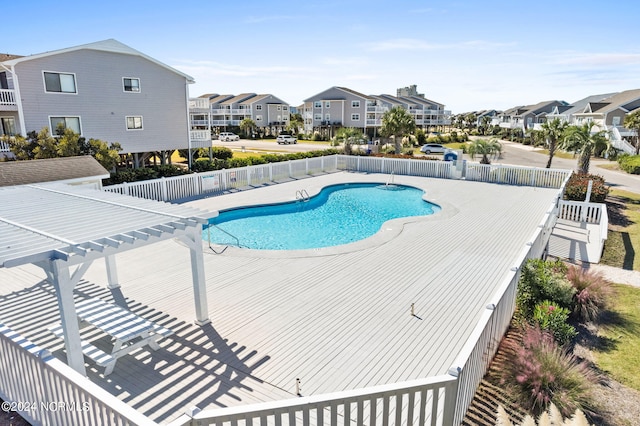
(112, 272)
(64, 293)
(194, 241)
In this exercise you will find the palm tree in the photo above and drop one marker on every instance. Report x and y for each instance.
(247, 125)
(553, 132)
(295, 123)
(486, 148)
(396, 123)
(583, 141)
(632, 122)
(349, 136)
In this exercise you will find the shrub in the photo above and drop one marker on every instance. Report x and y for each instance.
(221, 152)
(541, 373)
(169, 170)
(542, 280)
(553, 319)
(630, 163)
(592, 293)
(576, 189)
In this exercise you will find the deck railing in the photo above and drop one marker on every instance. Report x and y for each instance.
(7, 97)
(45, 391)
(428, 401)
(579, 211)
(217, 182)
(516, 175)
(473, 361)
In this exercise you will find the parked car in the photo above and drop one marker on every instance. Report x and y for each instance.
(228, 136)
(431, 148)
(286, 139)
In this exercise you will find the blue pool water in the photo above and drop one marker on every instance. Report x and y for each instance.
(340, 214)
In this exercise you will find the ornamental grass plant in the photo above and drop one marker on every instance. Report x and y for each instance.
(543, 373)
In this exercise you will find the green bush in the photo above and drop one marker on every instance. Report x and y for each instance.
(541, 373)
(630, 163)
(542, 280)
(553, 319)
(221, 152)
(576, 188)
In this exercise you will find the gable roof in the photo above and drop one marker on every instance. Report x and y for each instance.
(50, 170)
(578, 106)
(110, 45)
(343, 89)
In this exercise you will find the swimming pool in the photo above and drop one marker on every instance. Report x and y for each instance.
(339, 214)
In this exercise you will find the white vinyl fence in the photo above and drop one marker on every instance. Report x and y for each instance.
(45, 391)
(220, 181)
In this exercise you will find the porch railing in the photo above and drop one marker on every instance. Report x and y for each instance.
(45, 391)
(7, 97)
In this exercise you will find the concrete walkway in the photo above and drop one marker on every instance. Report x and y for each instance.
(617, 275)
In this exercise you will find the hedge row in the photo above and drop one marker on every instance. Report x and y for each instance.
(630, 164)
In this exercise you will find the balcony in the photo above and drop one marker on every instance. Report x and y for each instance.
(200, 138)
(199, 104)
(199, 123)
(4, 147)
(8, 100)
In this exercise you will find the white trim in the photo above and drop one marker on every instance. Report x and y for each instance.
(131, 91)
(126, 123)
(52, 130)
(75, 82)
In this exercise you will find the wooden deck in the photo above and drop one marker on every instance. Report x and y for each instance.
(337, 318)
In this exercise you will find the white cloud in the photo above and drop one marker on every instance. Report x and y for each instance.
(417, 44)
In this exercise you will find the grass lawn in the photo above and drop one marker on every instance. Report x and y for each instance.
(620, 337)
(558, 153)
(622, 248)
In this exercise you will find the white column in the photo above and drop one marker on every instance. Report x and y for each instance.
(112, 272)
(194, 241)
(64, 293)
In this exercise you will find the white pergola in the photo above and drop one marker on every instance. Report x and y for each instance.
(63, 229)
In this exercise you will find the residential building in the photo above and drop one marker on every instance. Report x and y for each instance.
(220, 112)
(411, 90)
(104, 90)
(343, 107)
(528, 117)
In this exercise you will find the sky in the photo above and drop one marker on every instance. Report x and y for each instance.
(468, 55)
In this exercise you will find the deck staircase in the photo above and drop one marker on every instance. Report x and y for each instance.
(580, 232)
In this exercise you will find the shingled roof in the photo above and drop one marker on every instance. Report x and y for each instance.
(50, 170)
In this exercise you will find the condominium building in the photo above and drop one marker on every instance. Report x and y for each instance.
(344, 107)
(104, 90)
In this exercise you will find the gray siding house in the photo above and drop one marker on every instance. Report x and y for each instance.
(104, 90)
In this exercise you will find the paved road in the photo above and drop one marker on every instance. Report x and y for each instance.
(514, 153)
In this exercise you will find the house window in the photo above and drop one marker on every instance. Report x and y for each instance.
(134, 123)
(285, 108)
(258, 107)
(131, 84)
(327, 104)
(72, 123)
(59, 82)
(327, 117)
(258, 118)
(7, 126)
(317, 104)
(355, 117)
(355, 104)
(615, 121)
(279, 108)
(317, 117)
(285, 118)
